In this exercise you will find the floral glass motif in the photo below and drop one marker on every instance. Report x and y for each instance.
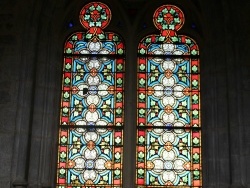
(91, 129)
(168, 123)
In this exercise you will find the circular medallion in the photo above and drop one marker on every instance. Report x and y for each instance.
(168, 165)
(168, 17)
(95, 14)
(93, 90)
(89, 164)
(168, 91)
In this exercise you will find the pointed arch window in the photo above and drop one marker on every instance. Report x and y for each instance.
(168, 115)
(91, 120)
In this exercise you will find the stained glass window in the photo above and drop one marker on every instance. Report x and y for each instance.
(168, 115)
(91, 120)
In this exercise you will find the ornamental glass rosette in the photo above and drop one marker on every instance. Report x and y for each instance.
(168, 115)
(92, 107)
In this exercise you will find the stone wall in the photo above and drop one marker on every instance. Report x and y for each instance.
(31, 42)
